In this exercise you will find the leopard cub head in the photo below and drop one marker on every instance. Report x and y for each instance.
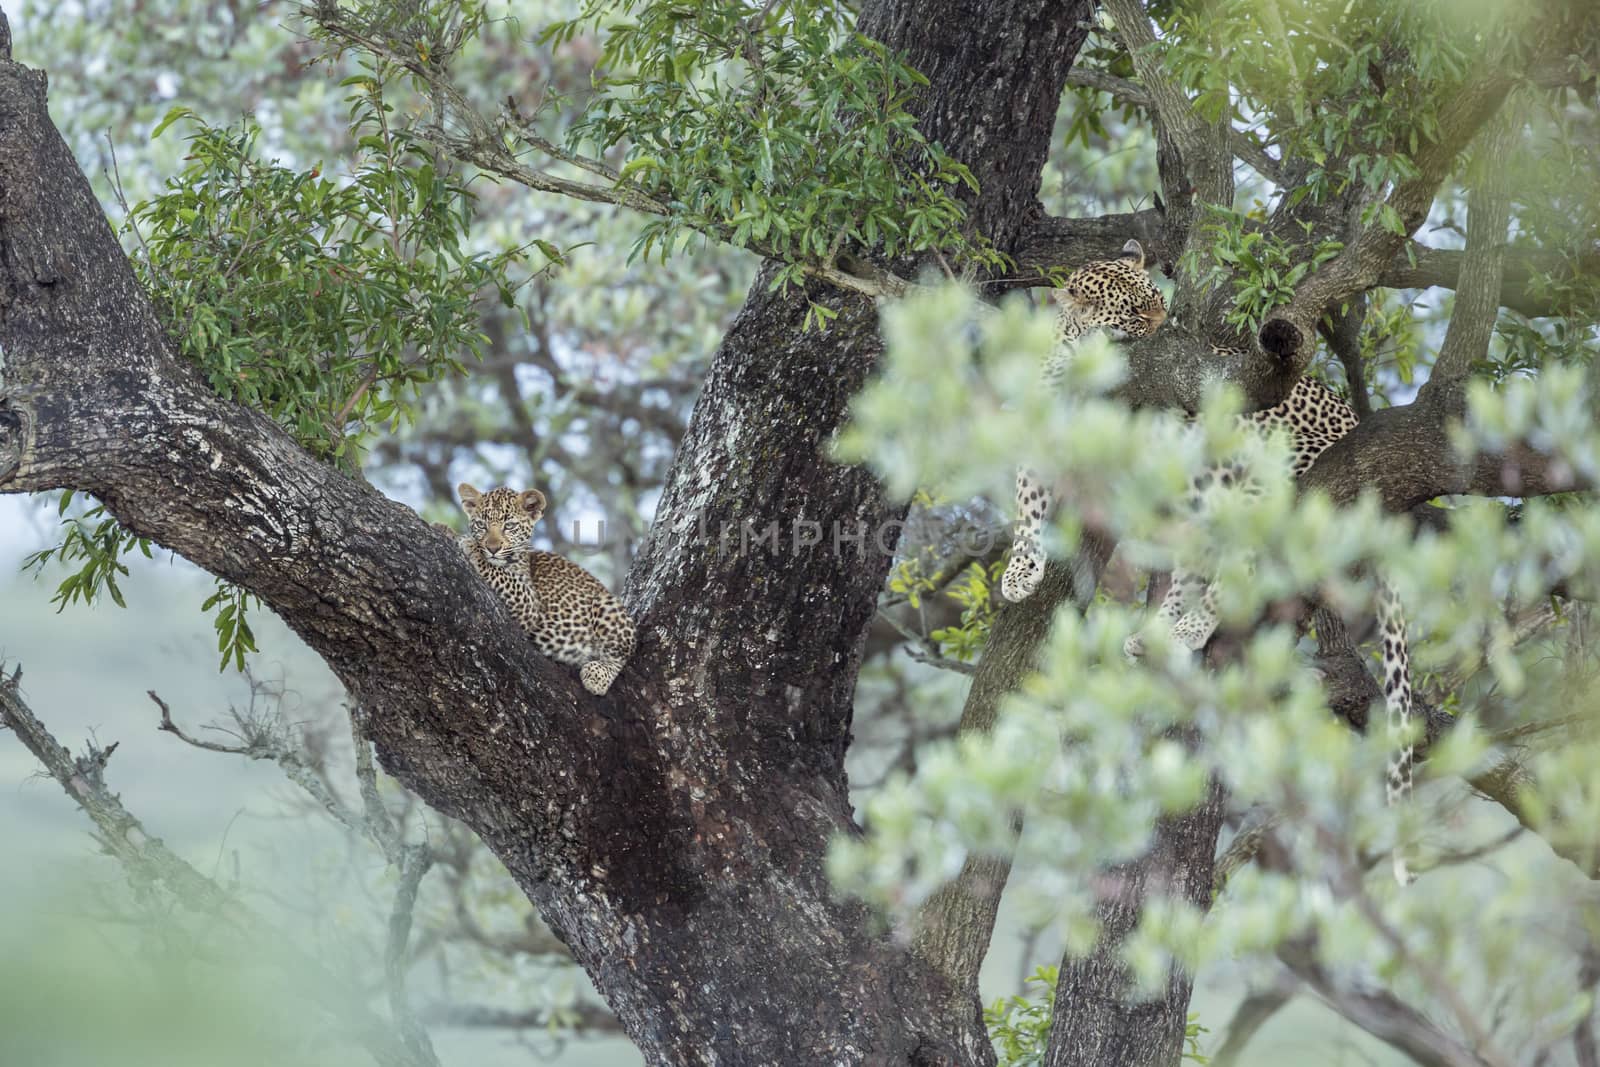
(501, 521)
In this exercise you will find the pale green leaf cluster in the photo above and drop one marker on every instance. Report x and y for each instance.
(1094, 748)
(1263, 269)
(1361, 80)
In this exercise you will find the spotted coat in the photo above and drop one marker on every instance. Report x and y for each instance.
(1118, 297)
(565, 611)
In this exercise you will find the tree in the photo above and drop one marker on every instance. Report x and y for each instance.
(676, 834)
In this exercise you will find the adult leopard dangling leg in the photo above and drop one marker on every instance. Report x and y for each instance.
(1111, 295)
(1034, 500)
(1398, 707)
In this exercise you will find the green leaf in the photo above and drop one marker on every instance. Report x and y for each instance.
(172, 115)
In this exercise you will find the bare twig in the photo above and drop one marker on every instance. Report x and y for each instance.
(262, 739)
(148, 861)
(414, 864)
(923, 650)
(584, 1017)
(379, 826)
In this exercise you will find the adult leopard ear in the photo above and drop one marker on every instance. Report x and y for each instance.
(1133, 251)
(532, 502)
(470, 498)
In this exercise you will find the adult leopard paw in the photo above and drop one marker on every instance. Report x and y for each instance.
(1022, 577)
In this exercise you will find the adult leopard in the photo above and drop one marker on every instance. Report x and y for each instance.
(1117, 296)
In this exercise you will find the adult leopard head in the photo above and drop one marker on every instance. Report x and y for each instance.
(1115, 295)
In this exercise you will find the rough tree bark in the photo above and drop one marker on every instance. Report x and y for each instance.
(673, 833)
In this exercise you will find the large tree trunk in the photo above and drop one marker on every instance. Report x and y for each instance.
(672, 833)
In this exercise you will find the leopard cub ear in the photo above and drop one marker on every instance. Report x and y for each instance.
(470, 498)
(1133, 251)
(532, 502)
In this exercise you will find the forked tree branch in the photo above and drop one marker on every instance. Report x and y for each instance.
(1126, 91)
(1289, 333)
(1381, 1014)
(1205, 161)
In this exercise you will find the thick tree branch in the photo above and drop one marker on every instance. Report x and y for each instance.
(956, 925)
(1139, 1033)
(1343, 334)
(1406, 456)
(1466, 340)
(1289, 333)
(1521, 289)
(1382, 1014)
(1254, 1012)
(1057, 243)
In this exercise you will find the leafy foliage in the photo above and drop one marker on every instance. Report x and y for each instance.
(1361, 82)
(94, 541)
(234, 636)
(774, 125)
(1262, 269)
(1086, 753)
(1019, 1025)
(974, 591)
(327, 304)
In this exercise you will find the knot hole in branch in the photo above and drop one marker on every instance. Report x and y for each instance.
(1281, 339)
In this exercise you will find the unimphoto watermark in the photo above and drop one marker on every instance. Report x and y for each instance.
(774, 537)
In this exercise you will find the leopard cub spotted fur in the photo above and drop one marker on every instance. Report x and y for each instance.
(565, 611)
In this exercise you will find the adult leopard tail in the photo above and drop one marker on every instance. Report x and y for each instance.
(1397, 705)
(598, 675)
(1027, 547)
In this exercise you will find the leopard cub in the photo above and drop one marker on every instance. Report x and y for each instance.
(565, 611)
